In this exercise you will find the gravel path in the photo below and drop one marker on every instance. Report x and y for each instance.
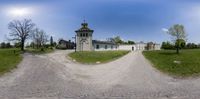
(52, 76)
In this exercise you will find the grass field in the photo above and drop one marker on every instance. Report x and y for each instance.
(96, 56)
(185, 64)
(9, 59)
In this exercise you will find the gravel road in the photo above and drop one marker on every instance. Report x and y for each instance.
(53, 76)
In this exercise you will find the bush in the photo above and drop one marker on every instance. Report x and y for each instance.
(167, 45)
(5, 45)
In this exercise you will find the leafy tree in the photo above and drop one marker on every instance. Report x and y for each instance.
(177, 32)
(180, 43)
(131, 42)
(21, 30)
(191, 45)
(3, 45)
(17, 44)
(32, 45)
(198, 45)
(54, 44)
(118, 40)
(8, 45)
(167, 45)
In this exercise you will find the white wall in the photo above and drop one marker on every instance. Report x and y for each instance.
(102, 47)
(135, 47)
(157, 47)
(127, 47)
(140, 46)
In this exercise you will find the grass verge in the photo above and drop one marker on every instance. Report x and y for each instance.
(92, 57)
(9, 59)
(185, 64)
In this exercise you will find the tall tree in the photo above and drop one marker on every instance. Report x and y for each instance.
(181, 43)
(3, 45)
(39, 37)
(51, 41)
(131, 42)
(21, 30)
(178, 33)
(8, 45)
(118, 40)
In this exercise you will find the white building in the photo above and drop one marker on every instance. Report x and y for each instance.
(104, 45)
(84, 41)
(140, 46)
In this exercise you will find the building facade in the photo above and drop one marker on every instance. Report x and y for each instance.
(84, 41)
(140, 46)
(84, 38)
(63, 44)
(104, 45)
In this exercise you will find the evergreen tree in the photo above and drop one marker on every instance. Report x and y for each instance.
(51, 41)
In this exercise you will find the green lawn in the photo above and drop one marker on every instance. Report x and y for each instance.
(96, 56)
(9, 59)
(185, 64)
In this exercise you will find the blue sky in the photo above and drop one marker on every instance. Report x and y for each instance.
(138, 20)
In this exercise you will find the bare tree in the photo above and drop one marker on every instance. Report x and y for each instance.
(21, 30)
(178, 33)
(39, 37)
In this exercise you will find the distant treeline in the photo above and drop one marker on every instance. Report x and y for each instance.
(118, 40)
(183, 45)
(6, 45)
(18, 45)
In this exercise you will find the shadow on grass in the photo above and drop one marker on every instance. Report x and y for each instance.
(169, 52)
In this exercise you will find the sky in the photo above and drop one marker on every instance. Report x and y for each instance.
(137, 20)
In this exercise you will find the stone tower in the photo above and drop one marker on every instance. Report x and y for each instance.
(84, 38)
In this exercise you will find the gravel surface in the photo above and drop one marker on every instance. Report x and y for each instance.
(53, 76)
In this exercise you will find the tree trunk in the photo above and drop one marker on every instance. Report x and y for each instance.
(22, 45)
(177, 46)
(177, 50)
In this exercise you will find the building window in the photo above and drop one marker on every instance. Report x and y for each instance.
(111, 47)
(83, 34)
(106, 46)
(97, 46)
(86, 34)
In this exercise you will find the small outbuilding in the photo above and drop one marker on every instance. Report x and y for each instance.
(63, 44)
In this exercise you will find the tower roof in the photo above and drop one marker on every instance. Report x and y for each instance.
(84, 28)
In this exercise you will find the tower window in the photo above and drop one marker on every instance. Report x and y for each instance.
(86, 34)
(83, 34)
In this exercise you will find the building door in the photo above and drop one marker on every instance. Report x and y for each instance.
(132, 48)
(84, 45)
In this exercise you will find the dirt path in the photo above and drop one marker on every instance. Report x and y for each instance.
(52, 76)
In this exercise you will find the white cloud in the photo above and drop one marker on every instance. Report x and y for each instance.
(165, 30)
